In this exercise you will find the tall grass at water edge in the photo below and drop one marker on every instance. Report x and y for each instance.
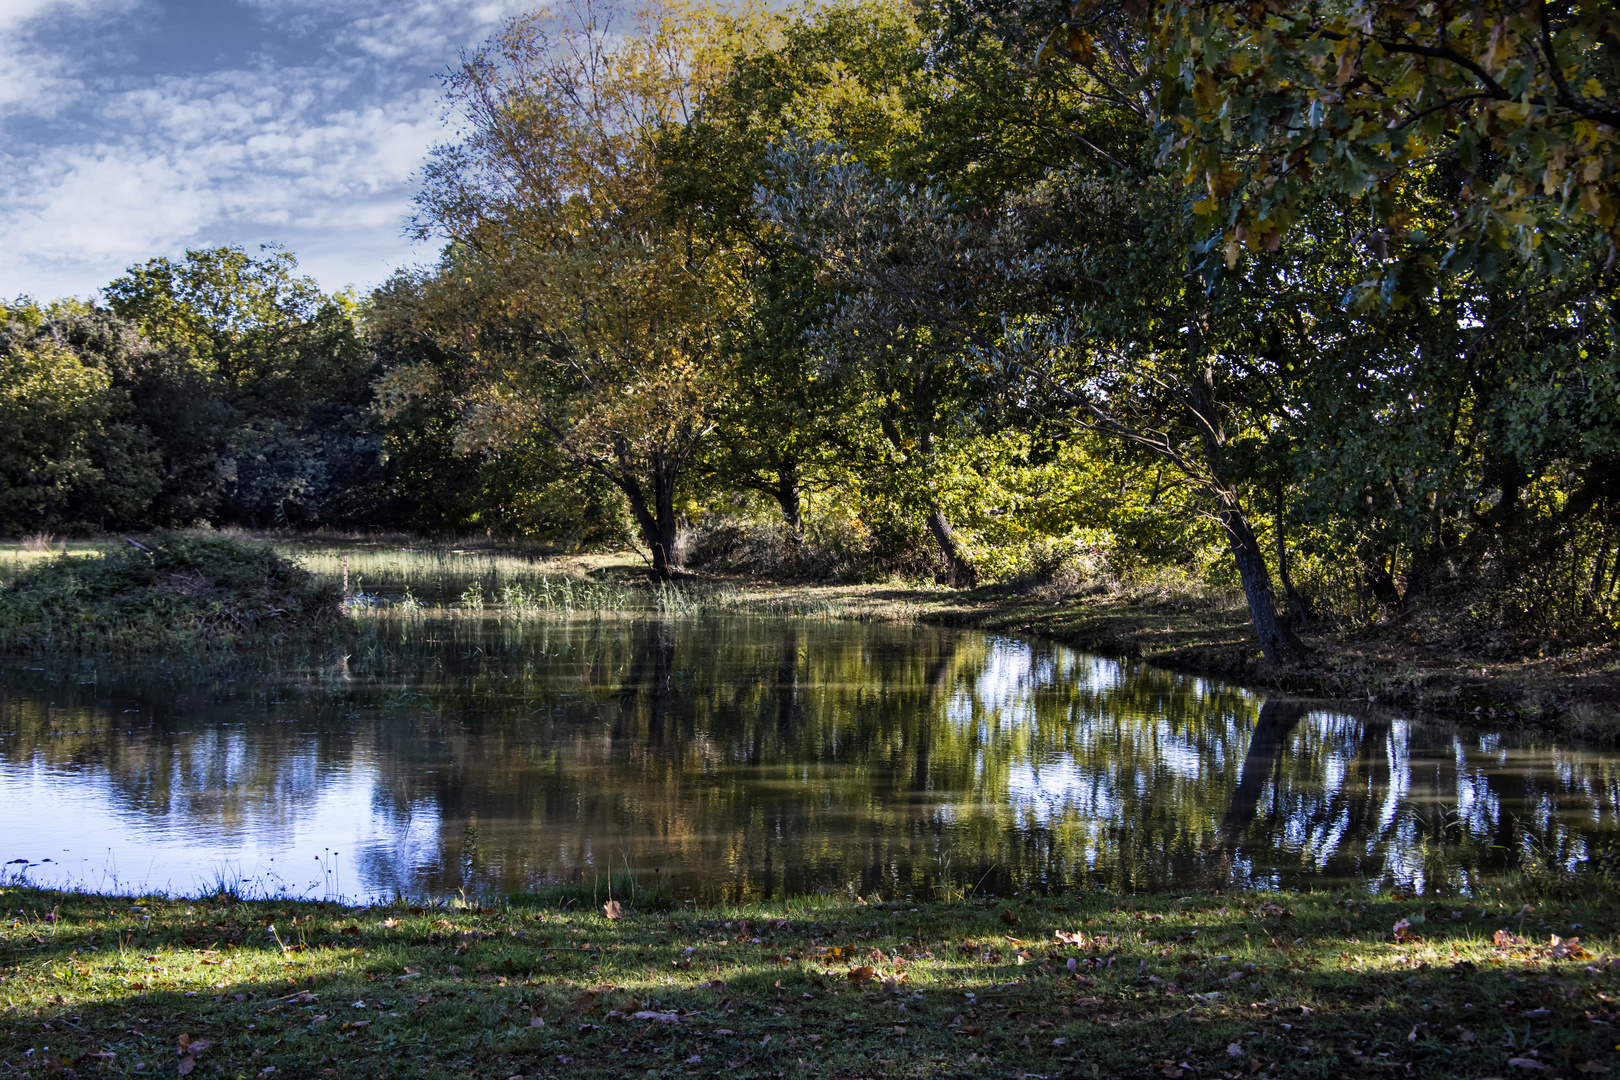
(448, 582)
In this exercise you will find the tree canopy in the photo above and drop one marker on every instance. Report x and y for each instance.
(1315, 302)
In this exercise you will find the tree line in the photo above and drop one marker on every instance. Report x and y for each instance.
(1315, 300)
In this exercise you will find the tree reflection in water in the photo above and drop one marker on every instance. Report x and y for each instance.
(743, 757)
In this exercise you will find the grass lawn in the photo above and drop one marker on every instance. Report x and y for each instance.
(1077, 985)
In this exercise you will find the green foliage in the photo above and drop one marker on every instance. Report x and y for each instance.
(181, 591)
(70, 458)
(1510, 106)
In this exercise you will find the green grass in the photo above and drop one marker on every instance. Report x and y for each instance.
(176, 591)
(1201, 985)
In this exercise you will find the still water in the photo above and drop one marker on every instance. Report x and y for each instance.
(740, 757)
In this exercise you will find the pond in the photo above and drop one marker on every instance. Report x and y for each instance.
(738, 757)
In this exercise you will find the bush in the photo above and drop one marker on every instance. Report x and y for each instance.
(832, 549)
(180, 591)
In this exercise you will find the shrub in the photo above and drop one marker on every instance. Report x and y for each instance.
(180, 591)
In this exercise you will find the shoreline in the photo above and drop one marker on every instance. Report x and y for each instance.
(1570, 693)
(1573, 694)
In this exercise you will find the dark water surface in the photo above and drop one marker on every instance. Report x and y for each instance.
(740, 757)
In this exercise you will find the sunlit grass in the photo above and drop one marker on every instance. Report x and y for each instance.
(1078, 985)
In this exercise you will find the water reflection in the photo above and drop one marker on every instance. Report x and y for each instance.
(744, 757)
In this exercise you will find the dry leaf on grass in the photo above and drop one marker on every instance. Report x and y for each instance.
(188, 1050)
(612, 909)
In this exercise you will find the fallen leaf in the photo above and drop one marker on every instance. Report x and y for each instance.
(724, 1031)
(1502, 939)
(612, 909)
(1527, 1063)
(1586, 1067)
(657, 1017)
(1568, 950)
(1009, 918)
(860, 975)
(1234, 1049)
(536, 1022)
(1403, 932)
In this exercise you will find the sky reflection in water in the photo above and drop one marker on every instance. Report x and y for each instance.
(745, 757)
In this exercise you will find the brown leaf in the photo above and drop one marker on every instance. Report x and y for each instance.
(1403, 933)
(657, 1017)
(1590, 1067)
(1568, 950)
(612, 909)
(1009, 918)
(187, 1063)
(1503, 938)
(1527, 1063)
(862, 974)
(351, 929)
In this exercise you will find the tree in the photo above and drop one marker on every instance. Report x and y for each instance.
(69, 456)
(590, 307)
(277, 382)
(1513, 105)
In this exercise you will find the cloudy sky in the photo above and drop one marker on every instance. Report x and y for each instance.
(136, 128)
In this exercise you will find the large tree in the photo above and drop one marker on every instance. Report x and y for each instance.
(587, 305)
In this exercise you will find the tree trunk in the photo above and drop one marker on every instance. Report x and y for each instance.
(787, 495)
(656, 523)
(963, 574)
(1299, 608)
(1277, 639)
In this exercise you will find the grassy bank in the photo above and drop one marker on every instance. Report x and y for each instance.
(1297, 985)
(175, 591)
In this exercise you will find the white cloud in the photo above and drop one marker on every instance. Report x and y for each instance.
(316, 154)
(40, 82)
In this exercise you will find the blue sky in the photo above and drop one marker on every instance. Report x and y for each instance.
(136, 128)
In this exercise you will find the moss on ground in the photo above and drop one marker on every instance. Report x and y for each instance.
(172, 591)
(1205, 985)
